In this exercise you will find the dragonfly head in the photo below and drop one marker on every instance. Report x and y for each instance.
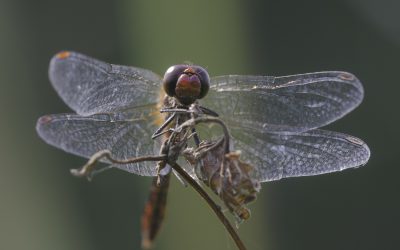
(186, 83)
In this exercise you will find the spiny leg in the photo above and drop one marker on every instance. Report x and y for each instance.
(176, 110)
(208, 111)
(160, 131)
(196, 137)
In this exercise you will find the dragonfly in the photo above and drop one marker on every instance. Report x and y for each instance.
(273, 122)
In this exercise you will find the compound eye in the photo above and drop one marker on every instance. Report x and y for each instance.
(204, 80)
(171, 77)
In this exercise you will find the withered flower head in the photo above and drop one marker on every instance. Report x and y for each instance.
(226, 175)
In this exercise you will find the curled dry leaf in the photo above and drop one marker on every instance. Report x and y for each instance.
(226, 175)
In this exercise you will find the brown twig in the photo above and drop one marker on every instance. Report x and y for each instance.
(217, 210)
(88, 168)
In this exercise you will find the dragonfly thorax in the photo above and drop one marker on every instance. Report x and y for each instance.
(186, 83)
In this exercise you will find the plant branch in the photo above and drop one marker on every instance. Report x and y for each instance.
(211, 203)
(88, 168)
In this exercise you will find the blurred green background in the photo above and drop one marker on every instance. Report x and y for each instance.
(43, 207)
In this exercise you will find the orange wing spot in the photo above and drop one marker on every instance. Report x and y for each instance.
(346, 76)
(63, 54)
(45, 119)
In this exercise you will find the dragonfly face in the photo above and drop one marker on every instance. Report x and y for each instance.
(186, 83)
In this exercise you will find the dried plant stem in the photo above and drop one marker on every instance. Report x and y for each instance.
(208, 119)
(211, 203)
(88, 168)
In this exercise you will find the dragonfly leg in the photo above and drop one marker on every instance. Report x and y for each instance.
(160, 131)
(208, 111)
(170, 130)
(196, 137)
(176, 110)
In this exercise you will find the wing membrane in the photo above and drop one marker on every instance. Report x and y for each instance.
(86, 135)
(90, 86)
(294, 103)
(276, 156)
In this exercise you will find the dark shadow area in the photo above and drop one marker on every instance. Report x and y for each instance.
(355, 209)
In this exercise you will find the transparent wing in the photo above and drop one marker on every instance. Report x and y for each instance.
(86, 135)
(294, 103)
(89, 86)
(276, 156)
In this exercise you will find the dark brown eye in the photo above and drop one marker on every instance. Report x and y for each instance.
(171, 77)
(204, 80)
(186, 83)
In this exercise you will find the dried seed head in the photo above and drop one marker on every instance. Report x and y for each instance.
(226, 175)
